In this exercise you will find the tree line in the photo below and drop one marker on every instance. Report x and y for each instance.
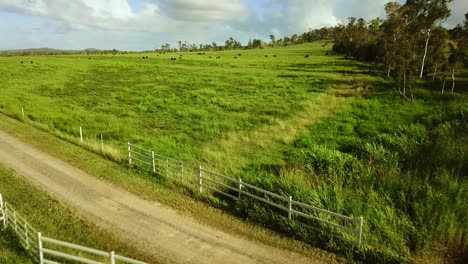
(410, 43)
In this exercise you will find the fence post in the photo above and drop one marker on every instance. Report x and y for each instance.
(182, 164)
(129, 154)
(81, 135)
(200, 189)
(27, 235)
(102, 144)
(6, 217)
(167, 167)
(14, 221)
(152, 162)
(240, 188)
(39, 248)
(22, 112)
(3, 211)
(290, 208)
(361, 222)
(112, 257)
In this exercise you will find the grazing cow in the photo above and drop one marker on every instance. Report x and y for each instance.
(219, 57)
(32, 62)
(21, 62)
(147, 57)
(306, 56)
(89, 58)
(326, 54)
(235, 57)
(199, 53)
(209, 57)
(274, 56)
(266, 56)
(239, 54)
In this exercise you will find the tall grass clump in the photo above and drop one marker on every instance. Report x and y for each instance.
(404, 172)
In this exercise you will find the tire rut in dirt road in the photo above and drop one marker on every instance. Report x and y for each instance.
(159, 230)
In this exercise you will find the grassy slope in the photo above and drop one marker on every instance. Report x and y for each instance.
(288, 123)
(182, 108)
(191, 109)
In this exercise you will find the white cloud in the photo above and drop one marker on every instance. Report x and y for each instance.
(303, 15)
(205, 10)
(118, 15)
(149, 23)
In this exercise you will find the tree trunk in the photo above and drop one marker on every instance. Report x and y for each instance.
(435, 72)
(404, 84)
(403, 92)
(443, 84)
(388, 71)
(453, 78)
(425, 52)
(411, 92)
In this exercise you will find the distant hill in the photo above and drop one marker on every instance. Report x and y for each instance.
(38, 51)
(49, 51)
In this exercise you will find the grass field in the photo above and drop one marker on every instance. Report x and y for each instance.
(320, 128)
(194, 108)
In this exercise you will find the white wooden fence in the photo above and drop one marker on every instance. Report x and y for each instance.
(46, 250)
(350, 228)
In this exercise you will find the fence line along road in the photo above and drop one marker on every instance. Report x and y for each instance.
(236, 189)
(41, 248)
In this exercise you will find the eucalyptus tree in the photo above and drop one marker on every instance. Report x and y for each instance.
(392, 32)
(422, 17)
(458, 48)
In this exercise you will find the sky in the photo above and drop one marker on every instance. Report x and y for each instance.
(137, 25)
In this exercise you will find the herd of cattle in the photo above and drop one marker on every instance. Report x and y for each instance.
(199, 53)
(218, 57)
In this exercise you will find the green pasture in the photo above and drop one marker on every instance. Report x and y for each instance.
(330, 131)
(194, 108)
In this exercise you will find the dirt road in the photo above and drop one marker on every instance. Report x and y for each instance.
(160, 230)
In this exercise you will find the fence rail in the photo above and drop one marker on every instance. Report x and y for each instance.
(144, 156)
(236, 189)
(34, 243)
